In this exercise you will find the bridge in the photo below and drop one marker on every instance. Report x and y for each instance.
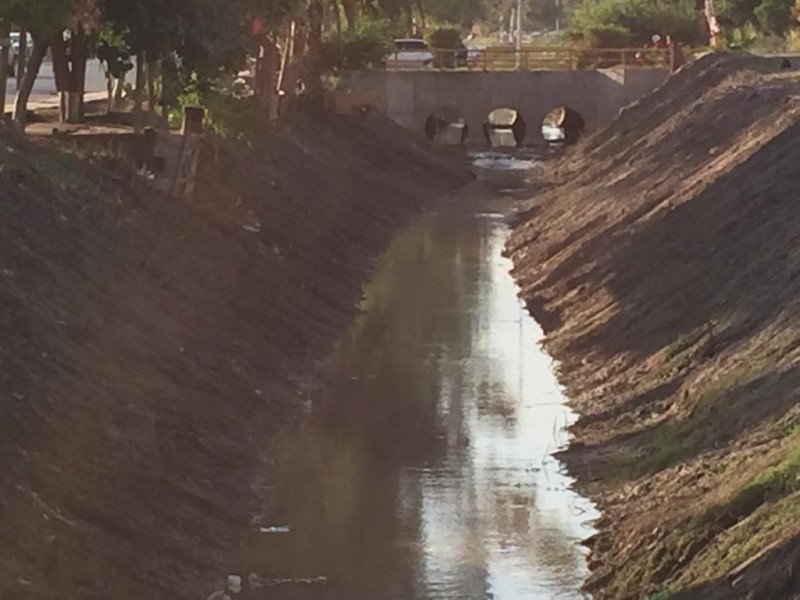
(410, 96)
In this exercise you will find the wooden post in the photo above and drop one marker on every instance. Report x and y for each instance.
(675, 56)
(5, 39)
(148, 148)
(138, 94)
(189, 156)
(193, 120)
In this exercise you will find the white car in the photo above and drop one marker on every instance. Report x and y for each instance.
(13, 53)
(410, 53)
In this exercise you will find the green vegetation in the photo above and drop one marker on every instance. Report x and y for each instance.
(365, 46)
(61, 167)
(449, 40)
(721, 536)
(778, 480)
(631, 23)
(765, 510)
(203, 44)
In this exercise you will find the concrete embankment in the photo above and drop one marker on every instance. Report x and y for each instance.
(663, 263)
(149, 345)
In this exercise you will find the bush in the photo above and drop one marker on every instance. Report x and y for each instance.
(632, 23)
(738, 38)
(226, 115)
(366, 49)
(447, 39)
(775, 16)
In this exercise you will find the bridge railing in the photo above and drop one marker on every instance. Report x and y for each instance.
(553, 58)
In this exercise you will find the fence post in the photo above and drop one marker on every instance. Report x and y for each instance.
(189, 156)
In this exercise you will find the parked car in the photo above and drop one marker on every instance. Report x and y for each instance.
(13, 54)
(410, 53)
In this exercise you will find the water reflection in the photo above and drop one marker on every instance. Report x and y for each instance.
(424, 469)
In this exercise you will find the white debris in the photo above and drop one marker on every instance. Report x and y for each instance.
(253, 581)
(235, 584)
(275, 529)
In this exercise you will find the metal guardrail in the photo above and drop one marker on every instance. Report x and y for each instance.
(545, 58)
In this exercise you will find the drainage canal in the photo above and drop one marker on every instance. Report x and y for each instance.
(424, 468)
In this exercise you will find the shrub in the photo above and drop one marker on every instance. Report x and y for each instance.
(366, 49)
(738, 38)
(447, 39)
(631, 23)
(774, 16)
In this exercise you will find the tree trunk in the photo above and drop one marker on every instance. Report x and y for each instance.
(292, 70)
(313, 63)
(109, 93)
(152, 77)
(169, 88)
(5, 32)
(714, 29)
(409, 12)
(79, 54)
(22, 56)
(351, 14)
(69, 71)
(338, 17)
(61, 73)
(272, 64)
(422, 19)
(119, 87)
(26, 85)
(138, 96)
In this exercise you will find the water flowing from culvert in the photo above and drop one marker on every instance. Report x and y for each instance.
(424, 469)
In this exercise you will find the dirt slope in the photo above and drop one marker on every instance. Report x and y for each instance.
(149, 345)
(665, 265)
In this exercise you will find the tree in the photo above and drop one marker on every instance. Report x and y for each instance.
(460, 12)
(313, 70)
(71, 48)
(775, 16)
(43, 19)
(115, 55)
(625, 23)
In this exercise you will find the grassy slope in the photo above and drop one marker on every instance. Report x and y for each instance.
(666, 269)
(149, 345)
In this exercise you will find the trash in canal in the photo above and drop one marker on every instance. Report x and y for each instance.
(275, 529)
(234, 583)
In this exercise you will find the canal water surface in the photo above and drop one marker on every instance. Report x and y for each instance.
(424, 469)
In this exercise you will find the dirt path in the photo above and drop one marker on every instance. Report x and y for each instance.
(664, 266)
(150, 345)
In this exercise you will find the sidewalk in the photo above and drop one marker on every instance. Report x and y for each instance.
(52, 101)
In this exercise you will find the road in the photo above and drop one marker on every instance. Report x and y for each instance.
(44, 90)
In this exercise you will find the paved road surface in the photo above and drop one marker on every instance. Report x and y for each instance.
(44, 90)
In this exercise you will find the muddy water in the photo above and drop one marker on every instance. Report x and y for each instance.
(424, 468)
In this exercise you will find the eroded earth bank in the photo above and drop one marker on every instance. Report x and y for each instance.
(149, 345)
(664, 265)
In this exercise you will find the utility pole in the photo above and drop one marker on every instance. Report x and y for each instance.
(558, 16)
(519, 32)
